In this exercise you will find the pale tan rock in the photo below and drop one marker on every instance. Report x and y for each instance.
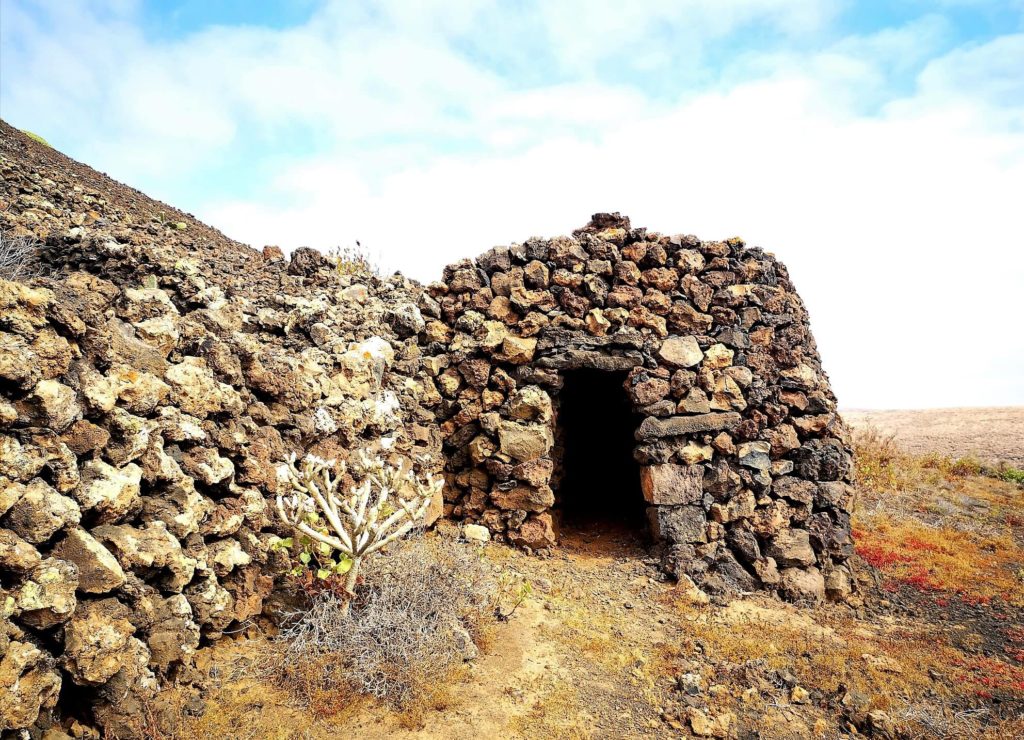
(693, 453)
(20, 462)
(516, 350)
(107, 491)
(206, 466)
(46, 597)
(226, 555)
(50, 404)
(524, 441)
(140, 392)
(95, 641)
(681, 352)
(195, 391)
(802, 584)
(530, 403)
(718, 357)
(17, 555)
(150, 547)
(40, 512)
(28, 683)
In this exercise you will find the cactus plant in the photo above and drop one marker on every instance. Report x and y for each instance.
(388, 501)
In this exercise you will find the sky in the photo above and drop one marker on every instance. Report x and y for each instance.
(877, 148)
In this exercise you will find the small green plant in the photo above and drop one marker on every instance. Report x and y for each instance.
(516, 589)
(36, 137)
(1012, 475)
(167, 222)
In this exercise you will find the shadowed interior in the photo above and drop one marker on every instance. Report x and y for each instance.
(601, 480)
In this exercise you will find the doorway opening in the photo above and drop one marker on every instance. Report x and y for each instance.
(600, 480)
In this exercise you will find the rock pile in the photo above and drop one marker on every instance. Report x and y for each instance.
(148, 389)
(744, 462)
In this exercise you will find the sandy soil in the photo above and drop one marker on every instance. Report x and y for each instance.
(991, 434)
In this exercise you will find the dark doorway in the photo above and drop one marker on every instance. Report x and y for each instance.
(600, 479)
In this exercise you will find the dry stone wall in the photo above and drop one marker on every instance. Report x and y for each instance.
(149, 387)
(744, 463)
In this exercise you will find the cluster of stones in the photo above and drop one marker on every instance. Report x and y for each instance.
(141, 425)
(744, 462)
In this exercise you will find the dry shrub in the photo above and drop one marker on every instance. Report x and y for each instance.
(881, 465)
(410, 630)
(354, 260)
(19, 257)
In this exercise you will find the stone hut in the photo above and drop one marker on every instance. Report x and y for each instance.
(688, 370)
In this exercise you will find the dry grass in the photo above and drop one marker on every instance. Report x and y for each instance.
(401, 642)
(354, 260)
(929, 687)
(19, 257)
(937, 524)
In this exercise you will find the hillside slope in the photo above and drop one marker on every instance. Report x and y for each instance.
(152, 377)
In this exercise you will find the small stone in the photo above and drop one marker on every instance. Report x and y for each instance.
(718, 356)
(40, 512)
(537, 533)
(799, 695)
(476, 533)
(680, 352)
(517, 351)
(50, 404)
(17, 555)
(755, 455)
(95, 640)
(28, 682)
(523, 498)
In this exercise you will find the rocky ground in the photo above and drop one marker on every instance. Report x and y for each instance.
(990, 434)
(933, 645)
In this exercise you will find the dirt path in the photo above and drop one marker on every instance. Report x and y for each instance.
(570, 661)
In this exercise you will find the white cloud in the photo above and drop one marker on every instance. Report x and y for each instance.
(887, 182)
